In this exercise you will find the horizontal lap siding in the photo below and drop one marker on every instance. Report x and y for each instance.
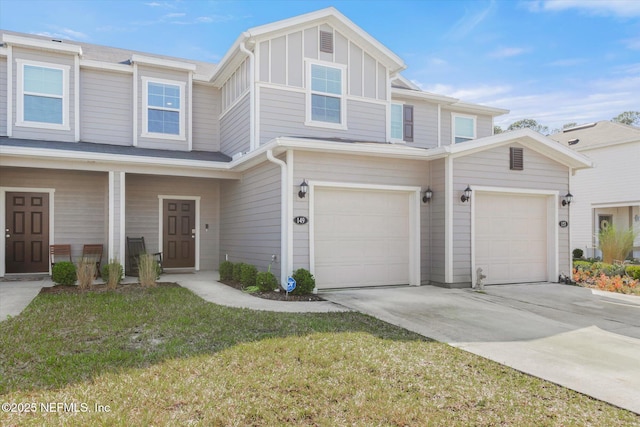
(234, 129)
(425, 122)
(437, 215)
(250, 218)
(491, 168)
(282, 113)
(106, 108)
(353, 169)
(206, 126)
(80, 203)
(143, 210)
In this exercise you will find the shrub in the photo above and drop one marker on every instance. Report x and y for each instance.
(226, 270)
(86, 273)
(147, 270)
(237, 271)
(609, 270)
(582, 265)
(305, 282)
(112, 274)
(633, 271)
(266, 281)
(577, 253)
(248, 275)
(64, 273)
(615, 244)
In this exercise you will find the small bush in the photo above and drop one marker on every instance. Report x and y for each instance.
(633, 271)
(266, 281)
(148, 270)
(64, 273)
(248, 275)
(237, 271)
(112, 274)
(305, 282)
(86, 273)
(582, 265)
(226, 270)
(615, 244)
(577, 253)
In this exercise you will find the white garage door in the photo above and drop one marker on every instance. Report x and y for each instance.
(361, 237)
(511, 237)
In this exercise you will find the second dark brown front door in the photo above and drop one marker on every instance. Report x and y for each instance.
(179, 234)
(27, 232)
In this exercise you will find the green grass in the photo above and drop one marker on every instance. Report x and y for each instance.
(163, 356)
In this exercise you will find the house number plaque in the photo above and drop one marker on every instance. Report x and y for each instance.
(564, 224)
(300, 220)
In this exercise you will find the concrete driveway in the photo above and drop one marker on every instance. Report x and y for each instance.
(585, 341)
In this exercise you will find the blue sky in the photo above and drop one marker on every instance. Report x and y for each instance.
(555, 61)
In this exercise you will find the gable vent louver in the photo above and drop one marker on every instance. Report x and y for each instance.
(326, 42)
(516, 157)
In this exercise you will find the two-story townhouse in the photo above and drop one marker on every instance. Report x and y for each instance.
(304, 147)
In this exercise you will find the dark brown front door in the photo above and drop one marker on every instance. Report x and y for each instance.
(27, 233)
(179, 234)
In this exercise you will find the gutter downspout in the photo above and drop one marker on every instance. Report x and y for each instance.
(252, 92)
(284, 231)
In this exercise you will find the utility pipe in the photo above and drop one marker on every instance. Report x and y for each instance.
(284, 224)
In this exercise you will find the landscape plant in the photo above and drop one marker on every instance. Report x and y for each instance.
(577, 253)
(615, 244)
(147, 270)
(226, 270)
(248, 275)
(266, 281)
(305, 282)
(237, 271)
(86, 273)
(64, 273)
(112, 274)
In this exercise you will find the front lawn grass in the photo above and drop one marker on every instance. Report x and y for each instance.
(164, 356)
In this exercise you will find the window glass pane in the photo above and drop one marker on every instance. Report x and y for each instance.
(460, 139)
(396, 121)
(47, 81)
(42, 109)
(325, 109)
(326, 79)
(161, 95)
(464, 127)
(161, 121)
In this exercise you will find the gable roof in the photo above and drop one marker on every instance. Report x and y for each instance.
(596, 135)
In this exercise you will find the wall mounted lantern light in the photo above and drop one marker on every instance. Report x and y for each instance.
(428, 194)
(303, 189)
(466, 196)
(566, 200)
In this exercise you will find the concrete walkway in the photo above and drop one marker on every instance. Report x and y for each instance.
(585, 341)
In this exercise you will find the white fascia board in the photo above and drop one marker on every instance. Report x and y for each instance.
(467, 107)
(406, 81)
(219, 75)
(108, 66)
(164, 63)
(418, 94)
(528, 138)
(604, 145)
(9, 39)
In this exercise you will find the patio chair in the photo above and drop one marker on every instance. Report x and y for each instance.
(135, 248)
(59, 253)
(93, 253)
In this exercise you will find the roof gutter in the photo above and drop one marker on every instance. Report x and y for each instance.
(284, 224)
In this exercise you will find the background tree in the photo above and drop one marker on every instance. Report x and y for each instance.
(631, 118)
(497, 130)
(529, 124)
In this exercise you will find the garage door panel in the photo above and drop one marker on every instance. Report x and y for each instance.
(361, 237)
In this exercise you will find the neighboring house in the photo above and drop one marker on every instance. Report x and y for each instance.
(207, 162)
(610, 192)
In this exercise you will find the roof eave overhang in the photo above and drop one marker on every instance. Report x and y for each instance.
(467, 107)
(427, 96)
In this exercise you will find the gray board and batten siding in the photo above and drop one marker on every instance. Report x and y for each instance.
(206, 123)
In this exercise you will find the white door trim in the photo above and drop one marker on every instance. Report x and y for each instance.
(161, 198)
(3, 222)
(414, 220)
(553, 201)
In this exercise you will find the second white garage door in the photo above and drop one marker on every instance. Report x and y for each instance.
(511, 237)
(361, 237)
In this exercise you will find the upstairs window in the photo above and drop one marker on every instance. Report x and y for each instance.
(464, 128)
(402, 122)
(326, 96)
(164, 109)
(43, 95)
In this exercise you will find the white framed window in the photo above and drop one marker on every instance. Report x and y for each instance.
(325, 96)
(163, 112)
(401, 122)
(463, 127)
(43, 95)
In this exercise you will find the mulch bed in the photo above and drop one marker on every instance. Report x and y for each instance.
(123, 288)
(273, 295)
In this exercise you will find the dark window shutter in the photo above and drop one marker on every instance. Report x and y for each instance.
(326, 42)
(407, 115)
(516, 159)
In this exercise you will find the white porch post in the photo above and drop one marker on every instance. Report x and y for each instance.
(117, 221)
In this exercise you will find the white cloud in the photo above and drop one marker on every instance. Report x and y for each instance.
(64, 33)
(620, 8)
(633, 44)
(175, 15)
(468, 22)
(567, 62)
(507, 52)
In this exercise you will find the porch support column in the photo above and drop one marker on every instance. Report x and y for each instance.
(117, 221)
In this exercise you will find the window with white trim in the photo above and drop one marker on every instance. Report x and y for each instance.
(464, 128)
(163, 108)
(325, 106)
(43, 95)
(402, 122)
